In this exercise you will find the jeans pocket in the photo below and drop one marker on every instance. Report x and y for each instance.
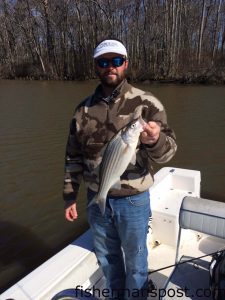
(140, 199)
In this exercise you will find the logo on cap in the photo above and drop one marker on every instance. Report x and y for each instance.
(108, 44)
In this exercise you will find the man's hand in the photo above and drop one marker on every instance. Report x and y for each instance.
(71, 212)
(150, 135)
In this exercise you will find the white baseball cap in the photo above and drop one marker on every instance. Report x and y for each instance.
(110, 46)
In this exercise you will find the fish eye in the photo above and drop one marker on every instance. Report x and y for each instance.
(132, 125)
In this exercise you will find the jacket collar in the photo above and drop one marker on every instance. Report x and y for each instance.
(120, 90)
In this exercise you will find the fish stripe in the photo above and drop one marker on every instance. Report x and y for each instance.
(111, 149)
(106, 159)
(112, 162)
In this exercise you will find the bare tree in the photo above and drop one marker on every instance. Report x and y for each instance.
(166, 39)
(215, 38)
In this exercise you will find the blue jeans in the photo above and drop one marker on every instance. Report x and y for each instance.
(120, 244)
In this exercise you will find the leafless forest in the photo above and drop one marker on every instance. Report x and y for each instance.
(181, 40)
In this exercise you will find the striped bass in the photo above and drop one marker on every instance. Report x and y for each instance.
(120, 151)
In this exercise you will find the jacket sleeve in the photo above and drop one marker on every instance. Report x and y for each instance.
(165, 148)
(73, 166)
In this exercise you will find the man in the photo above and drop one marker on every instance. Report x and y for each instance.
(120, 234)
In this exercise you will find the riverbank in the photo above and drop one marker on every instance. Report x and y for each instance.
(205, 77)
(186, 80)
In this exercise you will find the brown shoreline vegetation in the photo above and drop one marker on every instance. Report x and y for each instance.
(168, 41)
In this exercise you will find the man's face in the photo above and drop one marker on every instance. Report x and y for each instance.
(111, 75)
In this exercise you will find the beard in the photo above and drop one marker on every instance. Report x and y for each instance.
(111, 79)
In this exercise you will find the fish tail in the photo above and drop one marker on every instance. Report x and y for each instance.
(100, 200)
(101, 205)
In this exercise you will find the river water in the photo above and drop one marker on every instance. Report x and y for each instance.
(34, 123)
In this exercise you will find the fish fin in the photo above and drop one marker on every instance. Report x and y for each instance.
(116, 185)
(101, 205)
(133, 159)
(100, 201)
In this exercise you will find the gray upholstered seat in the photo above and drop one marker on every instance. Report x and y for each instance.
(202, 215)
(206, 216)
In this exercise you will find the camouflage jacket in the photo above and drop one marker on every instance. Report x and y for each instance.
(96, 120)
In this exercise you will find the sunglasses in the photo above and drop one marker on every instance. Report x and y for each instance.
(115, 62)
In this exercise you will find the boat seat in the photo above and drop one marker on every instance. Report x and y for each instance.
(202, 215)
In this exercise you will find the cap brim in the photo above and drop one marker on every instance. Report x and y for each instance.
(112, 50)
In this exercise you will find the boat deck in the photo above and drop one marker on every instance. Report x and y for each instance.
(189, 280)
